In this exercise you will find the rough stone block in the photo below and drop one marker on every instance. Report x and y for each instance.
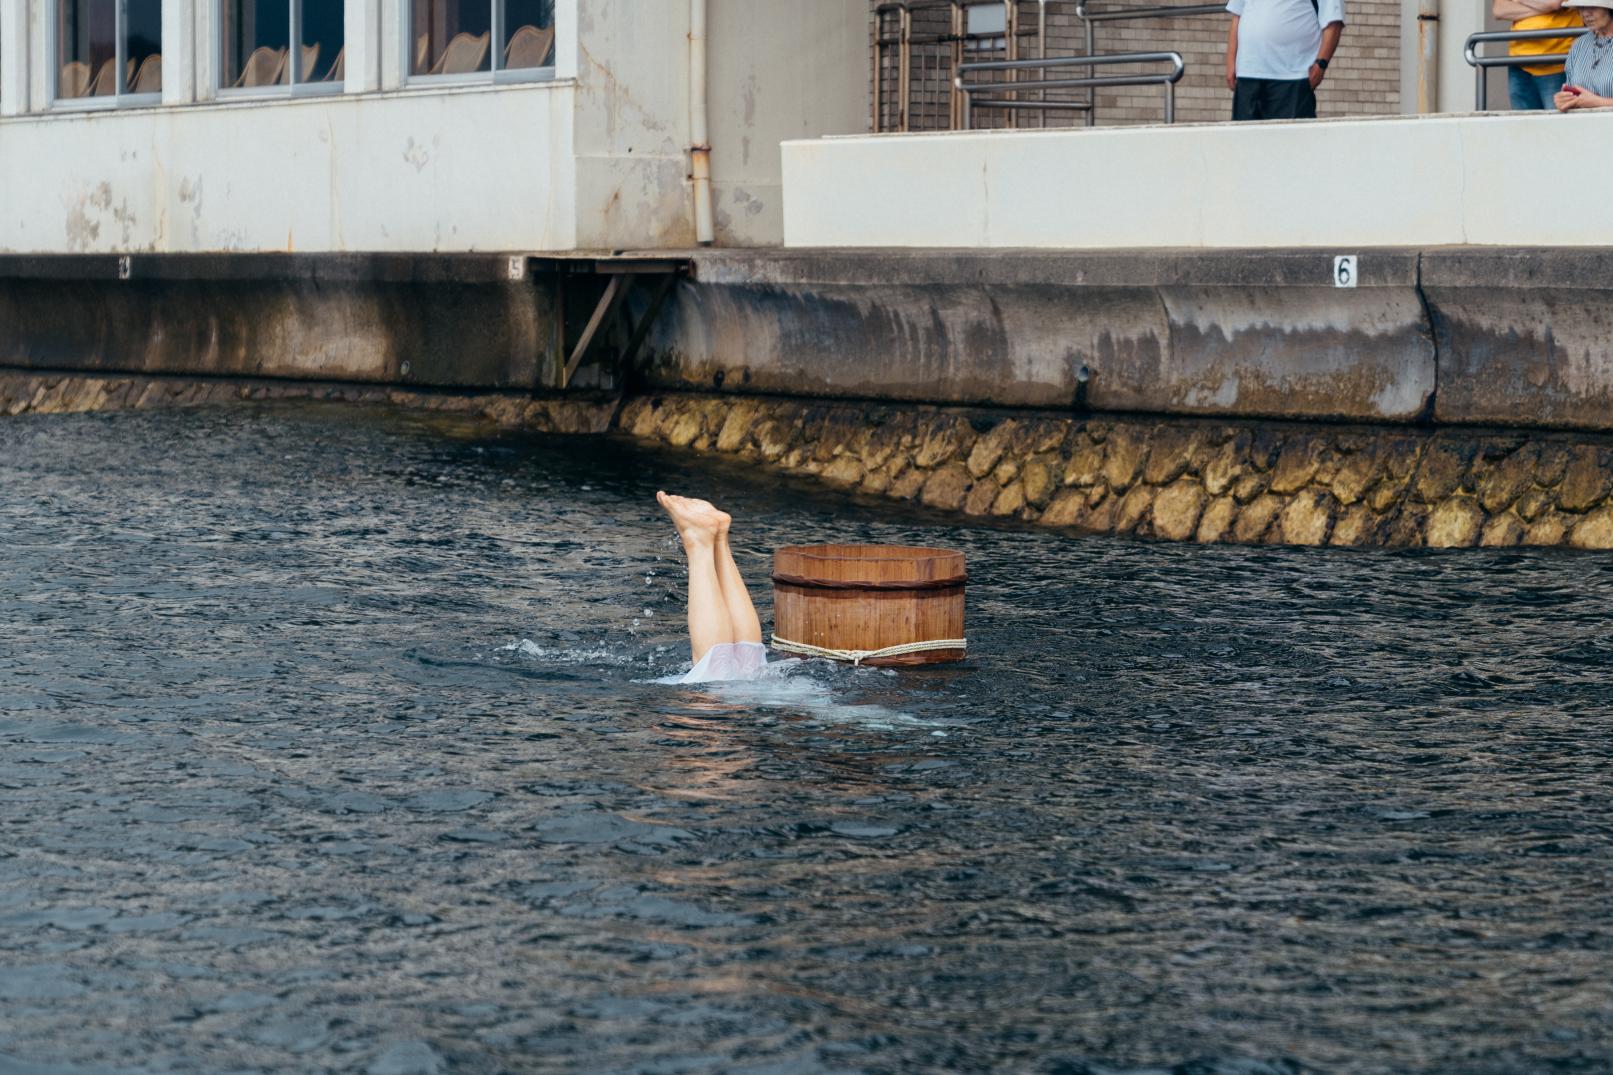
(1133, 508)
(1503, 531)
(1594, 531)
(1217, 518)
(981, 496)
(1296, 464)
(1256, 518)
(1036, 478)
(1010, 501)
(1177, 508)
(946, 488)
(1123, 456)
(1306, 519)
(1584, 482)
(1455, 524)
(1500, 484)
(1440, 475)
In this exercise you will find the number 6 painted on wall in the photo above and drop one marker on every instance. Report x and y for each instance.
(1344, 270)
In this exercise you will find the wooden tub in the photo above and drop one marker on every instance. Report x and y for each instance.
(860, 599)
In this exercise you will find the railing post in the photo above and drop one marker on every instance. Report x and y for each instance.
(1481, 92)
(1170, 102)
(1011, 51)
(1092, 50)
(960, 21)
(904, 58)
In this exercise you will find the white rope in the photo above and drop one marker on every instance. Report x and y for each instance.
(858, 656)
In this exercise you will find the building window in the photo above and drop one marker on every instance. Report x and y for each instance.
(480, 38)
(108, 51)
(256, 45)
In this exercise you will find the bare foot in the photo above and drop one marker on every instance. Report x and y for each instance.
(697, 521)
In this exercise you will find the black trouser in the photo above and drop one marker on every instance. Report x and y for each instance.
(1271, 98)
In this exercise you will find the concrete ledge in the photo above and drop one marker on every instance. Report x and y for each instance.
(1185, 332)
(1345, 183)
(1524, 337)
(442, 321)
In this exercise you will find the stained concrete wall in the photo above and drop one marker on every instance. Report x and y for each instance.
(1224, 333)
(471, 169)
(1344, 185)
(444, 322)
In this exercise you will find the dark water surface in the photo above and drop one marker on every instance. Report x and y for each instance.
(326, 744)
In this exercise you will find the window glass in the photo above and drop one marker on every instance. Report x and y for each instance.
(257, 37)
(528, 34)
(323, 36)
(142, 45)
(450, 37)
(257, 34)
(87, 47)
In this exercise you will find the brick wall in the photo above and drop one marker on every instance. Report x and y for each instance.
(1364, 79)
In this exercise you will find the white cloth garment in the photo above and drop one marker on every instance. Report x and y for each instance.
(728, 660)
(1279, 39)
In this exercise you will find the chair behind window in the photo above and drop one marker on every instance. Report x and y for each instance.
(529, 47)
(106, 80)
(338, 67)
(74, 80)
(309, 60)
(262, 68)
(463, 55)
(149, 78)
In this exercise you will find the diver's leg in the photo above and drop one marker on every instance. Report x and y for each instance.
(708, 613)
(741, 613)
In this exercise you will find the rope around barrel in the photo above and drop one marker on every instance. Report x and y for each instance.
(858, 656)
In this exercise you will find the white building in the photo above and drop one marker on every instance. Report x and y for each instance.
(451, 126)
(131, 126)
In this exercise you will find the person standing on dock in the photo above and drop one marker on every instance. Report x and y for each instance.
(1533, 86)
(1277, 54)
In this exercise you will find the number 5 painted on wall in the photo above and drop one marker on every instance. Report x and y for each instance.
(1344, 270)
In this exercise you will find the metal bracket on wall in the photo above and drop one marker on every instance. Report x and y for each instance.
(612, 304)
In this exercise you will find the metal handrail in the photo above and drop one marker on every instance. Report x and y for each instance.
(1168, 79)
(958, 37)
(1089, 19)
(1481, 64)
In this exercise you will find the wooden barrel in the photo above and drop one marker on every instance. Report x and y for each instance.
(869, 597)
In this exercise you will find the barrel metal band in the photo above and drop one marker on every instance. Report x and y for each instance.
(858, 656)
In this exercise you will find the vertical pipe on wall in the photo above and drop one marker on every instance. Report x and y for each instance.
(700, 145)
(1428, 56)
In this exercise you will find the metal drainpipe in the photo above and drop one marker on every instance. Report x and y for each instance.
(1427, 56)
(700, 148)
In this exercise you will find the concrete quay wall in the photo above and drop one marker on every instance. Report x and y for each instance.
(1515, 337)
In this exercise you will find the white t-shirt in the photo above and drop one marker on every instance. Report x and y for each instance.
(1280, 38)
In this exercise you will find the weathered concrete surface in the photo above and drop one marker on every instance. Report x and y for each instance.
(1524, 336)
(1262, 333)
(36, 393)
(1177, 479)
(440, 321)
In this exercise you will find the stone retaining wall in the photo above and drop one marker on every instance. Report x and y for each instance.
(1175, 479)
(33, 393)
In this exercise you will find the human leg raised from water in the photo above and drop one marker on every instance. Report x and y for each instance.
(698, 525)
(735, 594)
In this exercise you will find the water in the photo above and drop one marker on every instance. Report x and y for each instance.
(326, 743)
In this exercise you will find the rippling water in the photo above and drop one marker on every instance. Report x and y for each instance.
(326, 743)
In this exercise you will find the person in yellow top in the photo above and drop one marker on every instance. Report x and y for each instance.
(1533, 86)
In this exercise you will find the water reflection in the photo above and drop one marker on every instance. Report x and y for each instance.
(328, 742)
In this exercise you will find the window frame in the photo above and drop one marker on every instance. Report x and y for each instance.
(120, 61)
(293, 57)
(495, 74)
